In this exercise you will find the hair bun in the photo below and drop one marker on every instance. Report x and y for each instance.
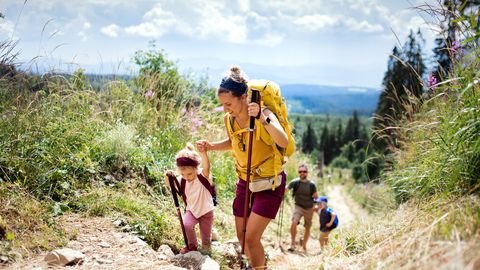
(190, 147)
(237, 75)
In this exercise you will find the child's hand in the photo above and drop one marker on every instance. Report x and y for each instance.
(203, 145)
(167, 181)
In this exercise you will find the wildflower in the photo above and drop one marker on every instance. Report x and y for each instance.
(148, 94)
(195, 124)
(432, 84)
(218, 109)
(456, 47)
(432, 81)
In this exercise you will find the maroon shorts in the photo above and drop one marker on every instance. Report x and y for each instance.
(264, 203)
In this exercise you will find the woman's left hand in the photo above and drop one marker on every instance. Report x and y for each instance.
(253, 109)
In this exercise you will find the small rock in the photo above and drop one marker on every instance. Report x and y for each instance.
(64, 256)
(232, 241)
(126, 228)
(118, 223)
(162, 257)
(227, 250)
(3, 259)
(93, 239)
(167, 251)
(215, 235)
(210, 264)
(190, 260)
(104, 261)
(104, 245)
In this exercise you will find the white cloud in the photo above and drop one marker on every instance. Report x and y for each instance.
(87, 25)
(6, 28)
(316, 22)
(244, 5)
(111, 30)
(206, 20)
(157, 22)
(215, 23)
(362, 26)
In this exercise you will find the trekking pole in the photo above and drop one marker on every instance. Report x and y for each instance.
(255, 98)
(279, 235)
(173, 183)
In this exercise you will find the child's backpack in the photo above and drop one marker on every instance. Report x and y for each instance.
(205, 183)
(271, 97)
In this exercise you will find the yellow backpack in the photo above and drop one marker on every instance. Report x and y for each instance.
(271, 98)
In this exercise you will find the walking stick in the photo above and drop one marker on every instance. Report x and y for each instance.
(256, 99)
(279, 234)
(173, 183)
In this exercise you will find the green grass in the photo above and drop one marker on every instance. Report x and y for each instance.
(441, 146)
(26, 224)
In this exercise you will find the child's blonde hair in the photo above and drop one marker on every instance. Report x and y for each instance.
(188, 152)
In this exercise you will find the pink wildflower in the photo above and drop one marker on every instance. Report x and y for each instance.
(432, 83)
(148, 94)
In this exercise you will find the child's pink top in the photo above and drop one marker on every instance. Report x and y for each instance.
(199, 199)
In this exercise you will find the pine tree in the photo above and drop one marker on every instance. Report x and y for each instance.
(352, 131)
(338, 139)
(309, 140)
(324, 138)
(402, 80)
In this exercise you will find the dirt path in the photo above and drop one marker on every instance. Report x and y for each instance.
(347, 210)
(104, 248)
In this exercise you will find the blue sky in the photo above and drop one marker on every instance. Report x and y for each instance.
(331, 42)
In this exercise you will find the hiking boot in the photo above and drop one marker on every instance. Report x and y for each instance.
(187, 249)
(291, 248)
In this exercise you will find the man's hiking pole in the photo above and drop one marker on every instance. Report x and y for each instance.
(173, 183)
(256, 99)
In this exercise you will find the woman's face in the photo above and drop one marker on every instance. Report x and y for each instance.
(232, 104)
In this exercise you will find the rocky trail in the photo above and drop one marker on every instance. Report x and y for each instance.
(99, 243)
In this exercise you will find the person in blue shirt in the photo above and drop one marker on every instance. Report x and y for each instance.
(328, 219)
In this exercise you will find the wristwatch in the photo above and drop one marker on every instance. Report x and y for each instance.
(267, 121)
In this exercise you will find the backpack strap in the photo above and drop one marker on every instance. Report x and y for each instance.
(209, 187)
(296, 184)
(183, 183)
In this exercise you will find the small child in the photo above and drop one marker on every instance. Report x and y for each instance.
(198, 198)
(328, 219)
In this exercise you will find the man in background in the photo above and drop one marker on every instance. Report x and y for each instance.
(304, 192)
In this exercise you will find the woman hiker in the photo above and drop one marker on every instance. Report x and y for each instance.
(264, 205)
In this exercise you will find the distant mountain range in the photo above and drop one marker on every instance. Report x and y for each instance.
(334, 100)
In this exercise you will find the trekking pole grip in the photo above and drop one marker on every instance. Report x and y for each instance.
(171, 180)
(255, 98)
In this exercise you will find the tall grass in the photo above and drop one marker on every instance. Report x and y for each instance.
(441, 153)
